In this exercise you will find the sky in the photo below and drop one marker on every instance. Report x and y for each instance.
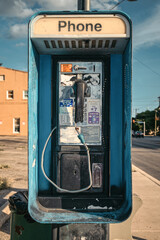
(145, 15)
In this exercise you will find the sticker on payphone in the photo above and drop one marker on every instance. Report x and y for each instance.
(69, 134)
(66, 80)
(91, 134)
(66, 112)
(93, 109)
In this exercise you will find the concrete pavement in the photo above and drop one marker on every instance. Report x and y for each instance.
(146, 223)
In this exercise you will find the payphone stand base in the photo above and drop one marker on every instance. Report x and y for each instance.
(81, 232)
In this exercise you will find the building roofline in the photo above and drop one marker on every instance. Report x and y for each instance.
(13, 69)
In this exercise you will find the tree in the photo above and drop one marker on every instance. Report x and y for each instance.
(149, 118)
(135, 125)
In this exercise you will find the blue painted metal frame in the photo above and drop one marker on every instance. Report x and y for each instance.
(116, 119)
(120, 137)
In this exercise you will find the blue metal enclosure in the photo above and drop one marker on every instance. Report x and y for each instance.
(113, 201)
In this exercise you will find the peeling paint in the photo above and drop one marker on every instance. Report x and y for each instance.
(19, 229)
(34, 147)
(34, 163)
(96, 207)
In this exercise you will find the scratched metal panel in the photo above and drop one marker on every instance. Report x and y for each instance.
(33, 123)
(82, 232)
(44, 120)
(127, 76)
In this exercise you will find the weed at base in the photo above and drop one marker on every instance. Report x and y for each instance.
(4, 184)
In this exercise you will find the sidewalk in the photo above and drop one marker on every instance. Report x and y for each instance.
(146, 223)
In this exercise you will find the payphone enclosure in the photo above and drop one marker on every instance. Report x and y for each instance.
(80, 117)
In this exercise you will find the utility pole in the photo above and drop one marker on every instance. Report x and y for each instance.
(84, 5)
(159, 101)
(155, 129)
(144, 128)
(136, 109)
(159, 114)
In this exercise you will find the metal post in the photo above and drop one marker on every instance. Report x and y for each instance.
(155, 131)
(144, 128)
(159, 116)
(159, 101)
(84, 5)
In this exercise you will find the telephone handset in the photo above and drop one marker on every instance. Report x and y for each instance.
(80, 87)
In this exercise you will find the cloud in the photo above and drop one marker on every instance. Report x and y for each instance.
(18, 31)
(103, 5)
(21, 44)
(26, 8)
(15, 8)
(147, 33)
(16, 12)
(53, 5)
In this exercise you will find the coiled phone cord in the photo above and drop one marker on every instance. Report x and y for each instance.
(80, 136)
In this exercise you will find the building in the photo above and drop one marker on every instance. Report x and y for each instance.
(13, 102)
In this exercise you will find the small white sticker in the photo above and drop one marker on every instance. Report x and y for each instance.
(66, 80)
(66, 116)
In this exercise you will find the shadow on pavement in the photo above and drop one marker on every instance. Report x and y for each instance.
(6, 227)
(138, 238)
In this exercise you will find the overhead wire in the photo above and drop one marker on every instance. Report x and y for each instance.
(148, 67)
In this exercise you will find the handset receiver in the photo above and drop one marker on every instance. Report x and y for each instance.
(80, 87)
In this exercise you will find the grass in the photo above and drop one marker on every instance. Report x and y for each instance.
(3, 166)
(4, 184)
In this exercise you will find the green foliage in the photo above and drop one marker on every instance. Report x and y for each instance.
(149, 118)
(135, 126)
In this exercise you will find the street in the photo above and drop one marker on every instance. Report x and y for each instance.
(146, 155)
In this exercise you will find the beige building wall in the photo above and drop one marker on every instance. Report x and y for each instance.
(16, 108)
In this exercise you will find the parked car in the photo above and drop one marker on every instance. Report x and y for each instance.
(139, 134)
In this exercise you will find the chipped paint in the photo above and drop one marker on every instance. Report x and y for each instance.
(34, 147)
(96, 207)
(19, 229)
(34, 163)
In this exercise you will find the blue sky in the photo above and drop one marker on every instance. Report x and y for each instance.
(145, 15)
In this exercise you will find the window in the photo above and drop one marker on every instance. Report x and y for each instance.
(10, 94)
(2, 78)
(16, 125)
(25, 94)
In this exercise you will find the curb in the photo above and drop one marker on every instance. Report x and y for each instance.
(146, 175)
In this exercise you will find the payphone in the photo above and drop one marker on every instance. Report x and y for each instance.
(80, 117)
(80, 90)
(80, 111)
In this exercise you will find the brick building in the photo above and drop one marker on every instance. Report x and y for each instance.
(13, 102)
